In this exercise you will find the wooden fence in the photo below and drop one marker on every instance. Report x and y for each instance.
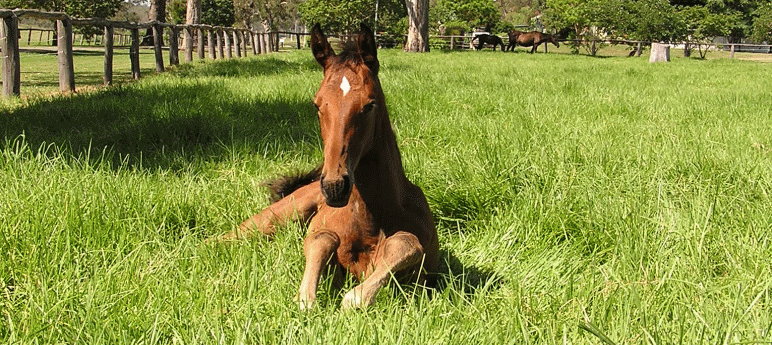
(222, 42)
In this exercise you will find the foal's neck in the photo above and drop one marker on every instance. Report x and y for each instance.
(380, 176)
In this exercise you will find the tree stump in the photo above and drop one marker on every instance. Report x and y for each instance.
(659, 52)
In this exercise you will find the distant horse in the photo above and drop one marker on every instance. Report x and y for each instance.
(489, 39)
(513, 39)
(364, 215)
(532, 39)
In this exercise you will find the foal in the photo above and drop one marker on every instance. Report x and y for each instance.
(364, 214)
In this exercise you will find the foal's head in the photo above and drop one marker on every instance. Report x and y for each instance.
(350, 104)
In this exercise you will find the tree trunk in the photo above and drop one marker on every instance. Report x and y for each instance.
(659, 52)
(192, 16)
(157, 12)
(418, 26)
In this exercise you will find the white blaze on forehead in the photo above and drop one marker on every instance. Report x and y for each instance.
(345, 86)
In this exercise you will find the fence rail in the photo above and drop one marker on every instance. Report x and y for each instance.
(221, 41)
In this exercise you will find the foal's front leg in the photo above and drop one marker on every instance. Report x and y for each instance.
(400, 251)
(318, 248)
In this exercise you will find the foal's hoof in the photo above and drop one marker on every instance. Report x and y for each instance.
(354, 299)
(305, 303)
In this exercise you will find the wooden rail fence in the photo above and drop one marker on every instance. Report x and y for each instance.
(234, 39)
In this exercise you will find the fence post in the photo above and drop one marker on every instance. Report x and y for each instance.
(134, 53)
(731, 51)
(157, 48)
(200, 48)
(247, 42)
(242, 45)
(210, 42)
(297, 39)
(108, 77)
(236, 42)
(452, 42)
(64, 51)
(228, 50)
(174, 49)
(253, 39)
(220, 48)
(188, 44)
(276, 41)
(9, 37)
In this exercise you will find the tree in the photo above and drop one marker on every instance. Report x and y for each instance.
(75, 8)
(585, 20)
(217, 12)
(270, 14)
(157, 12)
(761, 31)
(701, 25)
(418, 26)
(472, 13)
(346, 16)
(338, 16)
(193, 12)
(648, 20)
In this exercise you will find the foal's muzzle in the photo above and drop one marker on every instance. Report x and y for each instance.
(336, 192)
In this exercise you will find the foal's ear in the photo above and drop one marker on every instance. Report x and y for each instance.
(367, 47)
(320, 47)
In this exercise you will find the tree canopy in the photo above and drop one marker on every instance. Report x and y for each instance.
(76, 8)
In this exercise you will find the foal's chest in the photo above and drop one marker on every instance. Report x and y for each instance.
(359, 235)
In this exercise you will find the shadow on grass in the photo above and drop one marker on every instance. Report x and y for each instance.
(456, 275)
(161, 125)
(246, 68)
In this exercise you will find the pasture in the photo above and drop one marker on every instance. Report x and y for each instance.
(579, 200)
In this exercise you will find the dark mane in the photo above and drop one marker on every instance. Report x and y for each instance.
(349, 52)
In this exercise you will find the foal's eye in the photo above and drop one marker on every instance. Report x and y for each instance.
(368, 107)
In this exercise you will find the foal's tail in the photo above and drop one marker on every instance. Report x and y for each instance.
(285, 185)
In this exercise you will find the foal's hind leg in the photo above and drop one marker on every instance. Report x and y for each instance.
(400, 251)
(299, 205)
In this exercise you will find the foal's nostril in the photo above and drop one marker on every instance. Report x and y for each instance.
(336, 192)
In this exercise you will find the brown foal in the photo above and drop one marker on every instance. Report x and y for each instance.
(364, 214)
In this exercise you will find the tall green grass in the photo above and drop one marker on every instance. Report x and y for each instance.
(579, 200)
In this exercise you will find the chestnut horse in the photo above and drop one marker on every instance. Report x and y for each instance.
(364, 215)
(482, 39)
(531, 39)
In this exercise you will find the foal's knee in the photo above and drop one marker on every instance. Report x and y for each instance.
(321, 240)
(405, 246)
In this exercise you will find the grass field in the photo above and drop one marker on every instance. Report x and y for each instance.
(579, 200)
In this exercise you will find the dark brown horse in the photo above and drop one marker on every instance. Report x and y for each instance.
(364, 215)
(530, 39)
(483, 39)
(512, 35)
